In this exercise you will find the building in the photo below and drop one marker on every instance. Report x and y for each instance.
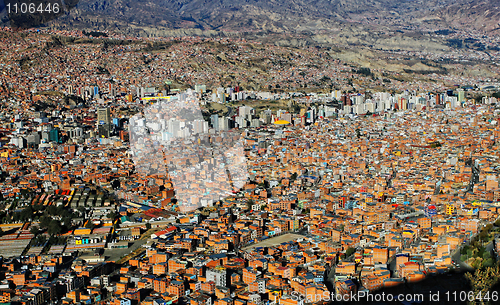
(218, 275)
(103, 116)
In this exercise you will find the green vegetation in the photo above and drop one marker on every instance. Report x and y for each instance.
(250, 203)
(483, 279)
(349, 251)
(487, 268)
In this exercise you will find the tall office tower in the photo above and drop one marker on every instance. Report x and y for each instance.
(174, 126)
(358, 99)
(104, 131)
(336, 94)
(245, 110)
(103, 116)
(461, 95)
(286, 116)
(214, 119)
(267, 116)
(242, 123)
(241, 95)
(198, 126)
(224, 123)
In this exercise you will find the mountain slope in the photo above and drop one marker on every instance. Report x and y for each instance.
(156, 16)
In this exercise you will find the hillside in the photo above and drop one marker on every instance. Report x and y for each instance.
(188, 17)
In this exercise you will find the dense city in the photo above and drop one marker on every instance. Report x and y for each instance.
(344, 191)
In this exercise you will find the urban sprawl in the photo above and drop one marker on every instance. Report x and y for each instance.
(344, 192)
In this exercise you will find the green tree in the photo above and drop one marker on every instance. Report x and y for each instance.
(26, 214)
(54, 228)
(349, 251)
(34, 230)
(44, 221)
(52, 210)
(148, 226)
(250, 202)
(488, 263)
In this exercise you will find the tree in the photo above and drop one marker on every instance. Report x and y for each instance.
(34, 230)
(54, 228)
(483, 235)
(45, 221)
(250, 202)
(489, 262)
(52, 210)
(148, 226)
(26, 214)
(111, 215)
(40, 239)
(349, 251)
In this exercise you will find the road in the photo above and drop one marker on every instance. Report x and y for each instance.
(474, 178)
(230, 111)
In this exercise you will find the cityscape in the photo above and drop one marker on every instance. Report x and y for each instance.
(238, 168)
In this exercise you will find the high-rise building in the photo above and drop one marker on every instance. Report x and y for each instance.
(461, 95)
(174, 126)
(214, 120)
(104, 131)
(54, 136)
(200, 126)
(241, 121)
(223, 123)
(245, 110)
(103, 116)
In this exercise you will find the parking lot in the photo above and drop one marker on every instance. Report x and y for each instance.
(275, 241)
